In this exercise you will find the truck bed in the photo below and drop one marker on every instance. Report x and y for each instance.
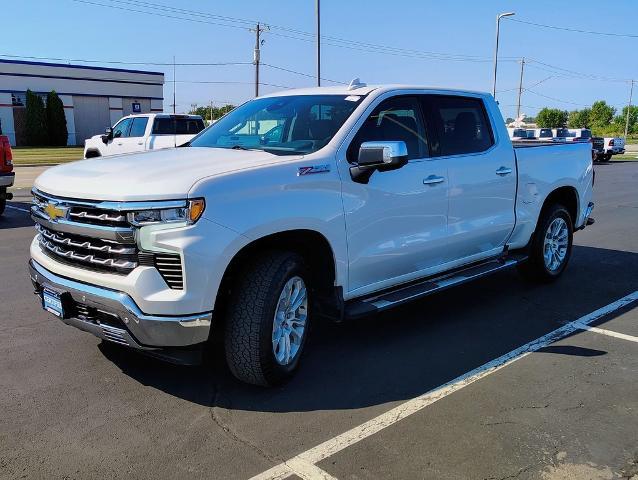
(543, 167)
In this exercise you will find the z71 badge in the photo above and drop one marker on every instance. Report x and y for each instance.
(313, 169)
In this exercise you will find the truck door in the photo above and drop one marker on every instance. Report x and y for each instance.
(120, 133)
(396, 223)
(136, 138)
(481, 172)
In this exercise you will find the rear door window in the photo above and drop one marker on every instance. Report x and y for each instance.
(459, 125)
(394, 119)
(177, 126)
(138, 127)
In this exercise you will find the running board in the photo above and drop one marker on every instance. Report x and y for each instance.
(406, 293)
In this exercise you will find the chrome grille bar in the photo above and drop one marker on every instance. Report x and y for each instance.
(101, 217)
(88, 258)
(57, 238)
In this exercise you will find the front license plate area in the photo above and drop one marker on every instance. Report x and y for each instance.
(52, 302)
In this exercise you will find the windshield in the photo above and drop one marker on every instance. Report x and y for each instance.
(296, 124)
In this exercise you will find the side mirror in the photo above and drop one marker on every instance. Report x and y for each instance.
(108, 135)
(382, 156)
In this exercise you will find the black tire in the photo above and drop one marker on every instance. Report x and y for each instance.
(606, 158)
(535, 267)
(3, 201)
(250, 314)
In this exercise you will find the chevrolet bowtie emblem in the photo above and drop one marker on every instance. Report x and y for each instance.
(54, 212)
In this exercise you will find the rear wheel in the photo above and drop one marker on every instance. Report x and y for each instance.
(551, 245)
(268, 319)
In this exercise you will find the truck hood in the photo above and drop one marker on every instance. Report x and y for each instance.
(158, 175)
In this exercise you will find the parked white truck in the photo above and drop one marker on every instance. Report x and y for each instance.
(612, 146)
(140, 133)
(319, 203)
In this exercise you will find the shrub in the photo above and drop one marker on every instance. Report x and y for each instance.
(56, 121)
(35, 124)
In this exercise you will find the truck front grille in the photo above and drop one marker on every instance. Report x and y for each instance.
(88, 252)
(97, 236)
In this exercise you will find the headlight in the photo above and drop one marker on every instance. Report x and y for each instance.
(186, 212)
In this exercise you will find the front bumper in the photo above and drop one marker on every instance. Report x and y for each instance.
(117, 318)
(7, 179)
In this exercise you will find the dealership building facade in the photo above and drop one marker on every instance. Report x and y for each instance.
(94, 98)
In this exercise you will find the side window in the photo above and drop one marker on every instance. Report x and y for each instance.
(163, 126)
(138, 127)
(394, 119)
(121, 128)
(460, 123)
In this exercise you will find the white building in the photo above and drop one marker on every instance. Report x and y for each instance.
(94, 98)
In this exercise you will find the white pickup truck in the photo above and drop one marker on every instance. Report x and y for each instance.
(321, 203)
(612, 146)
(140, 133)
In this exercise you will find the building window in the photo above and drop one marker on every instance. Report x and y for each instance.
(18, 99)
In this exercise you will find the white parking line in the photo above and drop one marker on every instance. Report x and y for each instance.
(18, 208)
(298, 465)
(609, 333)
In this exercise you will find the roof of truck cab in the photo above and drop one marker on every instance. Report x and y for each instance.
(163, 115)
(365, 90)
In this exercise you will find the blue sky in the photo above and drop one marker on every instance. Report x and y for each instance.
(460, 30)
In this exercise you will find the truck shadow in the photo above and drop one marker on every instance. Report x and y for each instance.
(16, 215)
(406, 352)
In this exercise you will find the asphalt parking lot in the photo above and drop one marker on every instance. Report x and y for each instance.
(74, 407)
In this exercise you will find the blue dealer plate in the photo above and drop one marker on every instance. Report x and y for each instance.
(51, 302)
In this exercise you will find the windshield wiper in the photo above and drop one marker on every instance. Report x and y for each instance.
(240, 147)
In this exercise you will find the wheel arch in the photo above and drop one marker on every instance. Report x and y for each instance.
(312, 245)
(566, 196)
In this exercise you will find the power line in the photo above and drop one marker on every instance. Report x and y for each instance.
(290, 33)
(228, 82)
(118, 62)
(575, 74)
(558, 99)
(301, 73)
(574, 30)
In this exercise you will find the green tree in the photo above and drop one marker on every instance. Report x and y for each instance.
(620, 120)
(551, 118)
(35, 122)
(579, 118)
(601, 114)
(205, 112)
(56, 121)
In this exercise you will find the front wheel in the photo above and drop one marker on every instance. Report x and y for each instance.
(267, 319)
(551, 245)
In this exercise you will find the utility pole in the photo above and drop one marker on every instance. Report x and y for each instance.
(318, 44)
(256, 56)
(174, 82)
(520, 90)
(631, 92)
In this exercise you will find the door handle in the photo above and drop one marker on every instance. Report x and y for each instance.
(433, 180)
(503, 171)
(140, 143)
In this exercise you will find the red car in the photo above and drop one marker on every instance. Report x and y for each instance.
(6, 171)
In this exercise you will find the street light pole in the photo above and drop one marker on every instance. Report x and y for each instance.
(631, 92)
(498, 23)
(318, 44)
